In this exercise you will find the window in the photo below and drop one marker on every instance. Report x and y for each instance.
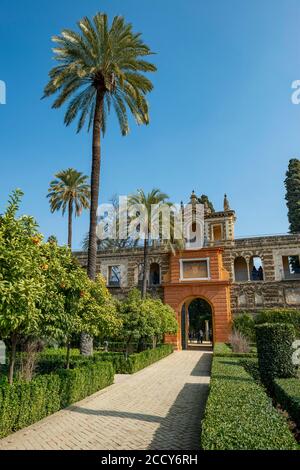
(217, 232)
(114, 276)
(194, 269)
(291, 267)
(256, 269)
(154, 274)
(240, 269)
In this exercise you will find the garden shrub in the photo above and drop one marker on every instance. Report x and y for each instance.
(245, 324)
(24, 403)
(250, 365)
(239, 415)
(287, 394)
(274, 348)
(137, 361)
(224, 350)
(238, 342)
(280, 315)
(52, 363)
(121, 363)
(81, 382)
(146, 358)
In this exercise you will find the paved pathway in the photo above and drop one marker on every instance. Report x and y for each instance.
(159, 407)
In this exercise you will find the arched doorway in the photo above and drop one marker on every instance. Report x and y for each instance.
(196, 324)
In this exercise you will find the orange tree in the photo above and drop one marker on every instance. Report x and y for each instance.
(73, 303)
(22, 283)
(145, 319)
(43, 290)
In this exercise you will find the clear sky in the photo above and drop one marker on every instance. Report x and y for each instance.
(222, 119)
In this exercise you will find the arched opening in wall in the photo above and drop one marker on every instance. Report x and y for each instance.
(154, 274)
(197, 330)
(256, 269)
(240, 269)
(217, 233)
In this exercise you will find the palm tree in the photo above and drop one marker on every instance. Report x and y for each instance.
(69, 191)
(147, 200)
(100, 66)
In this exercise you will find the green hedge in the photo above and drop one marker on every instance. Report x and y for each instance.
(244, 323)
(81, 382)
(280, 315)
(274, 348)
(224, 350)
(287, 393)
(146, 358)
(53, 362)
(239, 414)
(251, 366)
(137, 361)
(24, 403)
(122, 365)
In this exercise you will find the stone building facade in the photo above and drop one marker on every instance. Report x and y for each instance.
(240, 274)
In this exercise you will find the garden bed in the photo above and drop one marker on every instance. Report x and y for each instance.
(239, 415)
(287, 394)
(123, 364)
(224, 350)
(24, 403)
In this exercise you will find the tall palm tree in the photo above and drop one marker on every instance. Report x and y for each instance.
(69, 191)
(100, 66)
(147, 200)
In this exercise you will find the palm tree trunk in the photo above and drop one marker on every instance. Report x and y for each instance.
(144, 285)
(12, 358)
(95, 182)
(86, 343)
(70, 215)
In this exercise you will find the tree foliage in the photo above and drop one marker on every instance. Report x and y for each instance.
(43, 290)
(292, 185)
(108, 59)
(146, 318)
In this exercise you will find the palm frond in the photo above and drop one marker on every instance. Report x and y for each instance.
(96, 57)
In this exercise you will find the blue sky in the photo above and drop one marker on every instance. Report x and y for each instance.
(222, 119)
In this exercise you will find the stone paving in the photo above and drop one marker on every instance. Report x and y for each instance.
(159, 407)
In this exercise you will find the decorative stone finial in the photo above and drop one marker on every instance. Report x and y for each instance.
(226, 203)
(193, 197)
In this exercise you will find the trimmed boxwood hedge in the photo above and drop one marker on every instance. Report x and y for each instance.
(287, 394)
(275, 351)
(250, 365)
(24, 403)
(280, 315)
(123, 364)
(137, 361)
(239, 415)
(148, 357)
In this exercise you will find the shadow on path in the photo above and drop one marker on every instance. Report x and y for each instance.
(180, 428)
(203, 366)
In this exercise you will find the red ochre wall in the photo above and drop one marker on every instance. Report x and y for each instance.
(216, 291)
